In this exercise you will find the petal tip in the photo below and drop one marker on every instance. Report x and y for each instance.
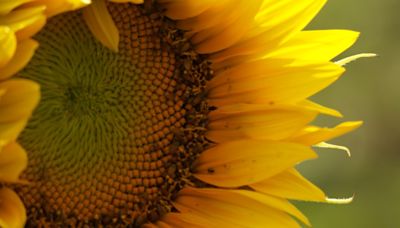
(353, 58)
(340, 201)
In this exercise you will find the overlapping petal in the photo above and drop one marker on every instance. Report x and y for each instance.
(288, 85)
(8, 45)
(237, 208)
(290, 184)
(263, 122)
(12, 211)
(226, 164)
(101, 24)
(13, 161)
(23, 54)
(60, 6)
(312, 135)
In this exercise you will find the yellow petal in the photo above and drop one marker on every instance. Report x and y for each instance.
(23, 54)
(56, 7)
(244, 162)
(25, 22)
(282, 78)
(6, 6)
(9, 131)
(274, 202)
(233, 208)
(13, 161)
(182, 9)
(8, 45)
(276, 24)
(20, 98)
(131, 1)
(321, 45)
(313, 135)
(246, 70)
(158, 224)
(289, 86)
(234, 61)
(183, 220)
(161, 224)
(230, 15)
(149, 225)
(223, 36)
(268, 123)
(32, 29)
(290, 184)
(218, 10)
(101, 24)
(274, 13)
(12, 211)
(319, 108)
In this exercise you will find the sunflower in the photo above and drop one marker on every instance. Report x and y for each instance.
(164, 113)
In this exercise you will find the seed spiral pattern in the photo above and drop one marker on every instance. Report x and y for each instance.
(108, 143)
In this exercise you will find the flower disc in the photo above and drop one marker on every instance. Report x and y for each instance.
(108, 142)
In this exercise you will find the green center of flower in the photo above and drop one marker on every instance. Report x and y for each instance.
(115, 134)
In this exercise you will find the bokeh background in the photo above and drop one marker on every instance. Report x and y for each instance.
(369, 91)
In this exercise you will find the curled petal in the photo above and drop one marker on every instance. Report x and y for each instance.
(237, 208)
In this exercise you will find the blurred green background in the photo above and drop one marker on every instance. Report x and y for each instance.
(368, 91)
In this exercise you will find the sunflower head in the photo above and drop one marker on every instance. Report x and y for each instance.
(163, 113)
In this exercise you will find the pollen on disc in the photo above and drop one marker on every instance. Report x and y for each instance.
(102, 144)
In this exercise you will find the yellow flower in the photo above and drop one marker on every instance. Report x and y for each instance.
(167, 113)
